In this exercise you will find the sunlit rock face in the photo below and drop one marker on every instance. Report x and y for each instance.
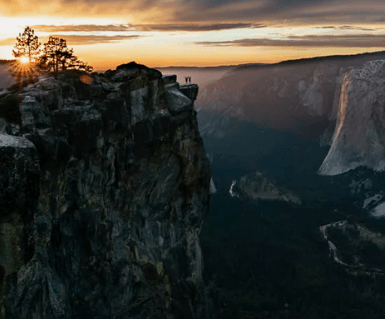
(107, 184)
(359, 136)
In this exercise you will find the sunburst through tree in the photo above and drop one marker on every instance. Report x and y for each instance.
(24, 72)
(27, 46)
(31, 61)
(27, 53)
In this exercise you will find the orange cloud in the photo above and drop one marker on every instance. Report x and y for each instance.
(348, 40)
(147, 27)
(9, 41)
(299, 12)
(79, 39)
(94, 39)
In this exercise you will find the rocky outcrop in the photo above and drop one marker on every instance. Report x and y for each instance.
(359, 138)
(190, 90)
(256, 186)
(106, 186)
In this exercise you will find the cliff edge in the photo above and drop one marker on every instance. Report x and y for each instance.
(106, 186)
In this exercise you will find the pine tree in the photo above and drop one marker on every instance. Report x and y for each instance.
(57, 56)
(27, 45)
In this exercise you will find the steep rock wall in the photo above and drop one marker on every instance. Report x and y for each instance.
(359, 136)
(107, 184)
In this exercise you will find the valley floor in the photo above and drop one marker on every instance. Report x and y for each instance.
(269, 259)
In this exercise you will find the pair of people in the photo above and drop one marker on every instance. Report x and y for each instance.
(188, 79)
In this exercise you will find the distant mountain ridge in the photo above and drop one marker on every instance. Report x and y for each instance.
(286, 94)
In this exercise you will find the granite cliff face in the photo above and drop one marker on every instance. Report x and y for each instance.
(105, 184)
(336, 100)
(297, 95)
(359, 138)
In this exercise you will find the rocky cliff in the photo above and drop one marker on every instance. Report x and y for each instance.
(104, 186)
(337, 100)
(359, 136)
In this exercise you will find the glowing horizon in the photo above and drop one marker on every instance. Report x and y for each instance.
(169, 33)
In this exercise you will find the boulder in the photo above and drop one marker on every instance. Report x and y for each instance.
(177, 101)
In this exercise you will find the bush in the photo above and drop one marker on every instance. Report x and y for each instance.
(9, 108)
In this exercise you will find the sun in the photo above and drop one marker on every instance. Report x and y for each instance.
(24, 59)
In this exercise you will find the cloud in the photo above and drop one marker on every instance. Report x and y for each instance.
(81, 28)
(175, 12)
(298, 12)
(349, 41)
(146, 27)
(347, 27)
(9, 41)
(78, 39)
(78, 8)
(94, 39)
(198, 27)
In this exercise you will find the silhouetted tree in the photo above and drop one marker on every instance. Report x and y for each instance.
(57, 56)
(27, 45)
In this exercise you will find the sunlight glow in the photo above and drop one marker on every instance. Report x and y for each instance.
(24, 59)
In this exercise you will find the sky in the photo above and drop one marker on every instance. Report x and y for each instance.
(160, 33)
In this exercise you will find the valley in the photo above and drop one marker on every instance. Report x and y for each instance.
(270, 258)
